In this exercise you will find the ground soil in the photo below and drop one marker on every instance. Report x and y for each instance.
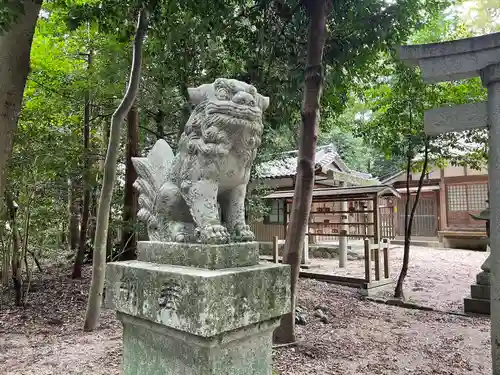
(437, 278)
(359, 336)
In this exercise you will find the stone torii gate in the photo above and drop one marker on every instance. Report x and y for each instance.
(462, 59)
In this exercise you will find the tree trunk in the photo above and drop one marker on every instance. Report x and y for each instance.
(302, 200)
(5, 249)
(128, 244)
(24, 253)
(15, 49)
(109, 241)
(159, 118)
(99, 259)
(63, 237)
(93, 214)
(16, 250)
(73, 215)
(82, 242)
(398, 291)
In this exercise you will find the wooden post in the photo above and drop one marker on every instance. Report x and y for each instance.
(376, 221)
(344, 228)
(443, 216)
(366, 218)
(385, 254)
(285, 218)
(276, 249)
(376, 252)
(371, 219)
(342, 248)
(368, 261)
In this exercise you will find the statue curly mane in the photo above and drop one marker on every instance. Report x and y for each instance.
(202, 135)
(214, 134)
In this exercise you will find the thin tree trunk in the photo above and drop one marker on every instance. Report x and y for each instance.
(15, 49)
(160, 131)
(82, 243)
(37, 262)
(73, 215)
(24, 254)
(16, 250)
(99, 259)
(128, 243)
(109, 241)
(398, 291)
(93, 215)
(5, 248)
(302, 201)
(186, 108)
(63, 237)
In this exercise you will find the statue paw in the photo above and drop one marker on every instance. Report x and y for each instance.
(214, 234)
(243, 233)
(181, 237)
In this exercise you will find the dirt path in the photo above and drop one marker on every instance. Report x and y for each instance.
(437, 278)
(360, 337)
(366, 338)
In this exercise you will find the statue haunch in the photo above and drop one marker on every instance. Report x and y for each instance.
(180, 196)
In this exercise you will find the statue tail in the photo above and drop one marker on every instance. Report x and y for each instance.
(152, 173)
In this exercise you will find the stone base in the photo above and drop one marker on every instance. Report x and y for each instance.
(150, 348)
(480, 291)
(483, 278)
(477, 306)
(198, 317)
(196, 300)
(213, 257)
(479, 303)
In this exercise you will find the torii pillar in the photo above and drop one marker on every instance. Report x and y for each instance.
(461, 59)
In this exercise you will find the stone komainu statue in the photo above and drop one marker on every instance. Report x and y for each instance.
(180, 196)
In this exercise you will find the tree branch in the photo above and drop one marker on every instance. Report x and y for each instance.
(150, 131)
(103, 115)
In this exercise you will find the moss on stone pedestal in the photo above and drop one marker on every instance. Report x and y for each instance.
(199, 301)
(240, 254)
(150, 348)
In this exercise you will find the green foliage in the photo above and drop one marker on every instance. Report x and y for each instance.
(188, 43)
(397, 103)
(351, 149)
(256, 207)
(480, 16)
(10, 10)
(262, 42)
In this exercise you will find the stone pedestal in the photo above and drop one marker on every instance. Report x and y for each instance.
(211, 312)
(479, 301)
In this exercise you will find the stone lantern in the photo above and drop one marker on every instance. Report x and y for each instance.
(479, 302)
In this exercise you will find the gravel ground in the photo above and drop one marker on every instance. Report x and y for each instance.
(359, 337)
(437, 278)
(366, 338)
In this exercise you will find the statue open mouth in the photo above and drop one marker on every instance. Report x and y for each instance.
(243, 112)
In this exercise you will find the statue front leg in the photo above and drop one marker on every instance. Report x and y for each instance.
(201, 197)
(234, 214)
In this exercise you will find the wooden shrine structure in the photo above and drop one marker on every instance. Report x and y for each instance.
(356, 212)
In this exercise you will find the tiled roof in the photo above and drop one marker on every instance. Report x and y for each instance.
(286, 164)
